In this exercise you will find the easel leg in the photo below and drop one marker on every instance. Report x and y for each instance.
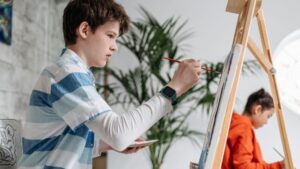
(241, 37)
(275, 94)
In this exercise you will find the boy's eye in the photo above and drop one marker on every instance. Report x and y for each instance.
(111, 36)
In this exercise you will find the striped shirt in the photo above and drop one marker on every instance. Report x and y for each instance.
(64, 98)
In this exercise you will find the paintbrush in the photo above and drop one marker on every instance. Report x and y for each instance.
(178, 61)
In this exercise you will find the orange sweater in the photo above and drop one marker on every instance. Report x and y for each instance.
(242, 150)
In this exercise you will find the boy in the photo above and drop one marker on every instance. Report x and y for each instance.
(65, 109)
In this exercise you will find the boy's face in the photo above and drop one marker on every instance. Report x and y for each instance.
(261, 117)
(100, 45)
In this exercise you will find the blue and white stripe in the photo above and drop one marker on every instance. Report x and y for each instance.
(54, 133)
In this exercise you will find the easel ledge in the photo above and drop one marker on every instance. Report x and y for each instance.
(237, 6)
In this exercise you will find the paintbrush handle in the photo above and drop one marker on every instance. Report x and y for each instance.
(174, 60)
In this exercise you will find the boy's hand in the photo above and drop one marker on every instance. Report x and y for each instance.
(105, 147)
(130, 150)
(186, 76)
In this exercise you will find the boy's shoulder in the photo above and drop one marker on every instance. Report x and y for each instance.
(65, 64)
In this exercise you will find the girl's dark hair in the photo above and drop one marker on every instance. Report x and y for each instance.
(260, 97)
(95, 13)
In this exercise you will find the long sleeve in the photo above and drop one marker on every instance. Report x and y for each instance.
(244, 152)
(119, 131)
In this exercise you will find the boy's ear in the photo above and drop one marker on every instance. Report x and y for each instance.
(83, 30)
(257, 109)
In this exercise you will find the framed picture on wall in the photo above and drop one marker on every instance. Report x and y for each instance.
(6, 21)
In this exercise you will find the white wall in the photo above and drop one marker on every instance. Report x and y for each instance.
(31, 49)
(214, 28)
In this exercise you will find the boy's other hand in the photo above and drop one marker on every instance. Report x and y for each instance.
(130, 150)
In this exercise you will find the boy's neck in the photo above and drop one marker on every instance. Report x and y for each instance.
(79, 52)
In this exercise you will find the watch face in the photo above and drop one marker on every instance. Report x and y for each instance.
(287, 65)
(169, 91)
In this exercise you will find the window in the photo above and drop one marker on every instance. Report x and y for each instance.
(287, 64)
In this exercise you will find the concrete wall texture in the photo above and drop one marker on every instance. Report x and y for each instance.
(36, 40)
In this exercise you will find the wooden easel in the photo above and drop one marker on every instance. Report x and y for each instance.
(247, 10)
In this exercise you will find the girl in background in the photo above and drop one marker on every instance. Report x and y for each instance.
(242, 150)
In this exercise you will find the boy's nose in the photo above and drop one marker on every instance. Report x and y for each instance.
(114, 47)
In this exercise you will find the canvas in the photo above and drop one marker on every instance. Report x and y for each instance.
(219, 109)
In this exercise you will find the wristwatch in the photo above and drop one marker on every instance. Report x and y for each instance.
(169, 93)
